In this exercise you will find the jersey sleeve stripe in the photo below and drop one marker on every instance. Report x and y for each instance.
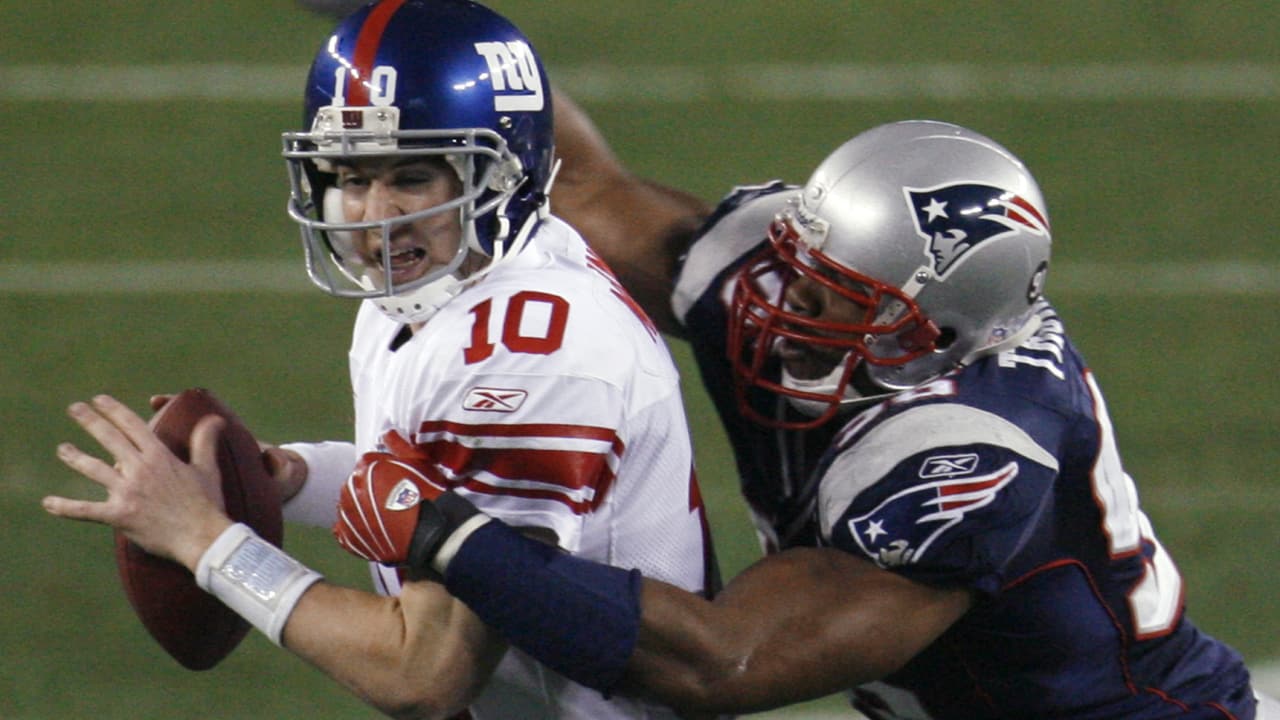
(565, 470)
(578, 505)
(540, 430)
(571, 464)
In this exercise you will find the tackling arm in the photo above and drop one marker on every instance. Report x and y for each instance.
(640, 228)
(797, 625)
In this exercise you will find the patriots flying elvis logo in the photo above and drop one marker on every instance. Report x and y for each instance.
(957, 217)
(892, 535)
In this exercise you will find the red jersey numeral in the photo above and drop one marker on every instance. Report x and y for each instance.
(517, 335)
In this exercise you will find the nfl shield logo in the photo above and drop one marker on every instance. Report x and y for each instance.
(403, 496)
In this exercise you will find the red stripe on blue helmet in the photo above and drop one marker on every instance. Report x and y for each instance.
(366, 51)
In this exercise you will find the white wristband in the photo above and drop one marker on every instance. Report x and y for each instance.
(256, 579)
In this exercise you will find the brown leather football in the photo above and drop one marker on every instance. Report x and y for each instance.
(190, 624)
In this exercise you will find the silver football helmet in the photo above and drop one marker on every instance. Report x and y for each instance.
(937, 234)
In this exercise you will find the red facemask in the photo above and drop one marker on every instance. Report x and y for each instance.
(759, 319)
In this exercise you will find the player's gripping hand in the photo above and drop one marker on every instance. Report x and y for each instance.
(380, 504)
(287, 468)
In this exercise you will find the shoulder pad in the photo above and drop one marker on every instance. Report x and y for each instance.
(738, 224)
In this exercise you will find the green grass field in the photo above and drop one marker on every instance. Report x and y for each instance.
(1152, 127)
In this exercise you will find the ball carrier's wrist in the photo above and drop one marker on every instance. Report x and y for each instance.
(256, 579)
(263, 583)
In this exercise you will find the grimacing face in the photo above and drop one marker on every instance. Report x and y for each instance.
(382, 188)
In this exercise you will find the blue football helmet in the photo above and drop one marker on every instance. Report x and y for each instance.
(444, 78)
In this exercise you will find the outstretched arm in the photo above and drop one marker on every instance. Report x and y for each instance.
(419, 655)
(639, 227)
(797, 625)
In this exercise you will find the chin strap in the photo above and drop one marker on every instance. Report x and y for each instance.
(420, 304)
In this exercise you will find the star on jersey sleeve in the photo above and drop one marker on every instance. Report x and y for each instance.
(942, 493)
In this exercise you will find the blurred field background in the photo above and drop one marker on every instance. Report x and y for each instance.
(144, 248)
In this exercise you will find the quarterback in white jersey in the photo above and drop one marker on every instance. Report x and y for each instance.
(549, 400)
(510, 363)
(493, 356)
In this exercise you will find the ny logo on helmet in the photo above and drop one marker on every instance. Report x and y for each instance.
(513, 71)
(958, 217)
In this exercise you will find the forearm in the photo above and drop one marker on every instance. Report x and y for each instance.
(418, 655)
(584, 619)
(778, 634)
(796, 626)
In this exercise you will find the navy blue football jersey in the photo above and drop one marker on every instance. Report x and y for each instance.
(1002, 477)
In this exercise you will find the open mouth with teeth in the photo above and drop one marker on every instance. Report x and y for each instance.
(407, 258)
(406, 264)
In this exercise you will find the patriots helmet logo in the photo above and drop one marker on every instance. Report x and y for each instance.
(956, 218)
(900, 530)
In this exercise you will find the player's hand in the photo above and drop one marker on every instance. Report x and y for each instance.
(168, 507)
(159, 401)
(380, 503)
(287, 469)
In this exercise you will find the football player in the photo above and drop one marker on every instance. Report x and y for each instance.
(929, 460)
(493, 353)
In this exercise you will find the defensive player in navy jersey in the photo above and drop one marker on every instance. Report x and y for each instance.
(929, 459)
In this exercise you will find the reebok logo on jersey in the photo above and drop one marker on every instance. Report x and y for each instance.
(949, 465)
(503, 400)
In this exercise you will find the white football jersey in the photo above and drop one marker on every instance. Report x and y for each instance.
(549, 400)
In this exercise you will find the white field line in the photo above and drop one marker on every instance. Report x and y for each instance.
(1169, 279)
(601, 83)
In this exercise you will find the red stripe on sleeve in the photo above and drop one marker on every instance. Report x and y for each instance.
(578, 507)
(572, 470)
(568, 469)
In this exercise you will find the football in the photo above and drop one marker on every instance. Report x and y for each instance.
(190, 624)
